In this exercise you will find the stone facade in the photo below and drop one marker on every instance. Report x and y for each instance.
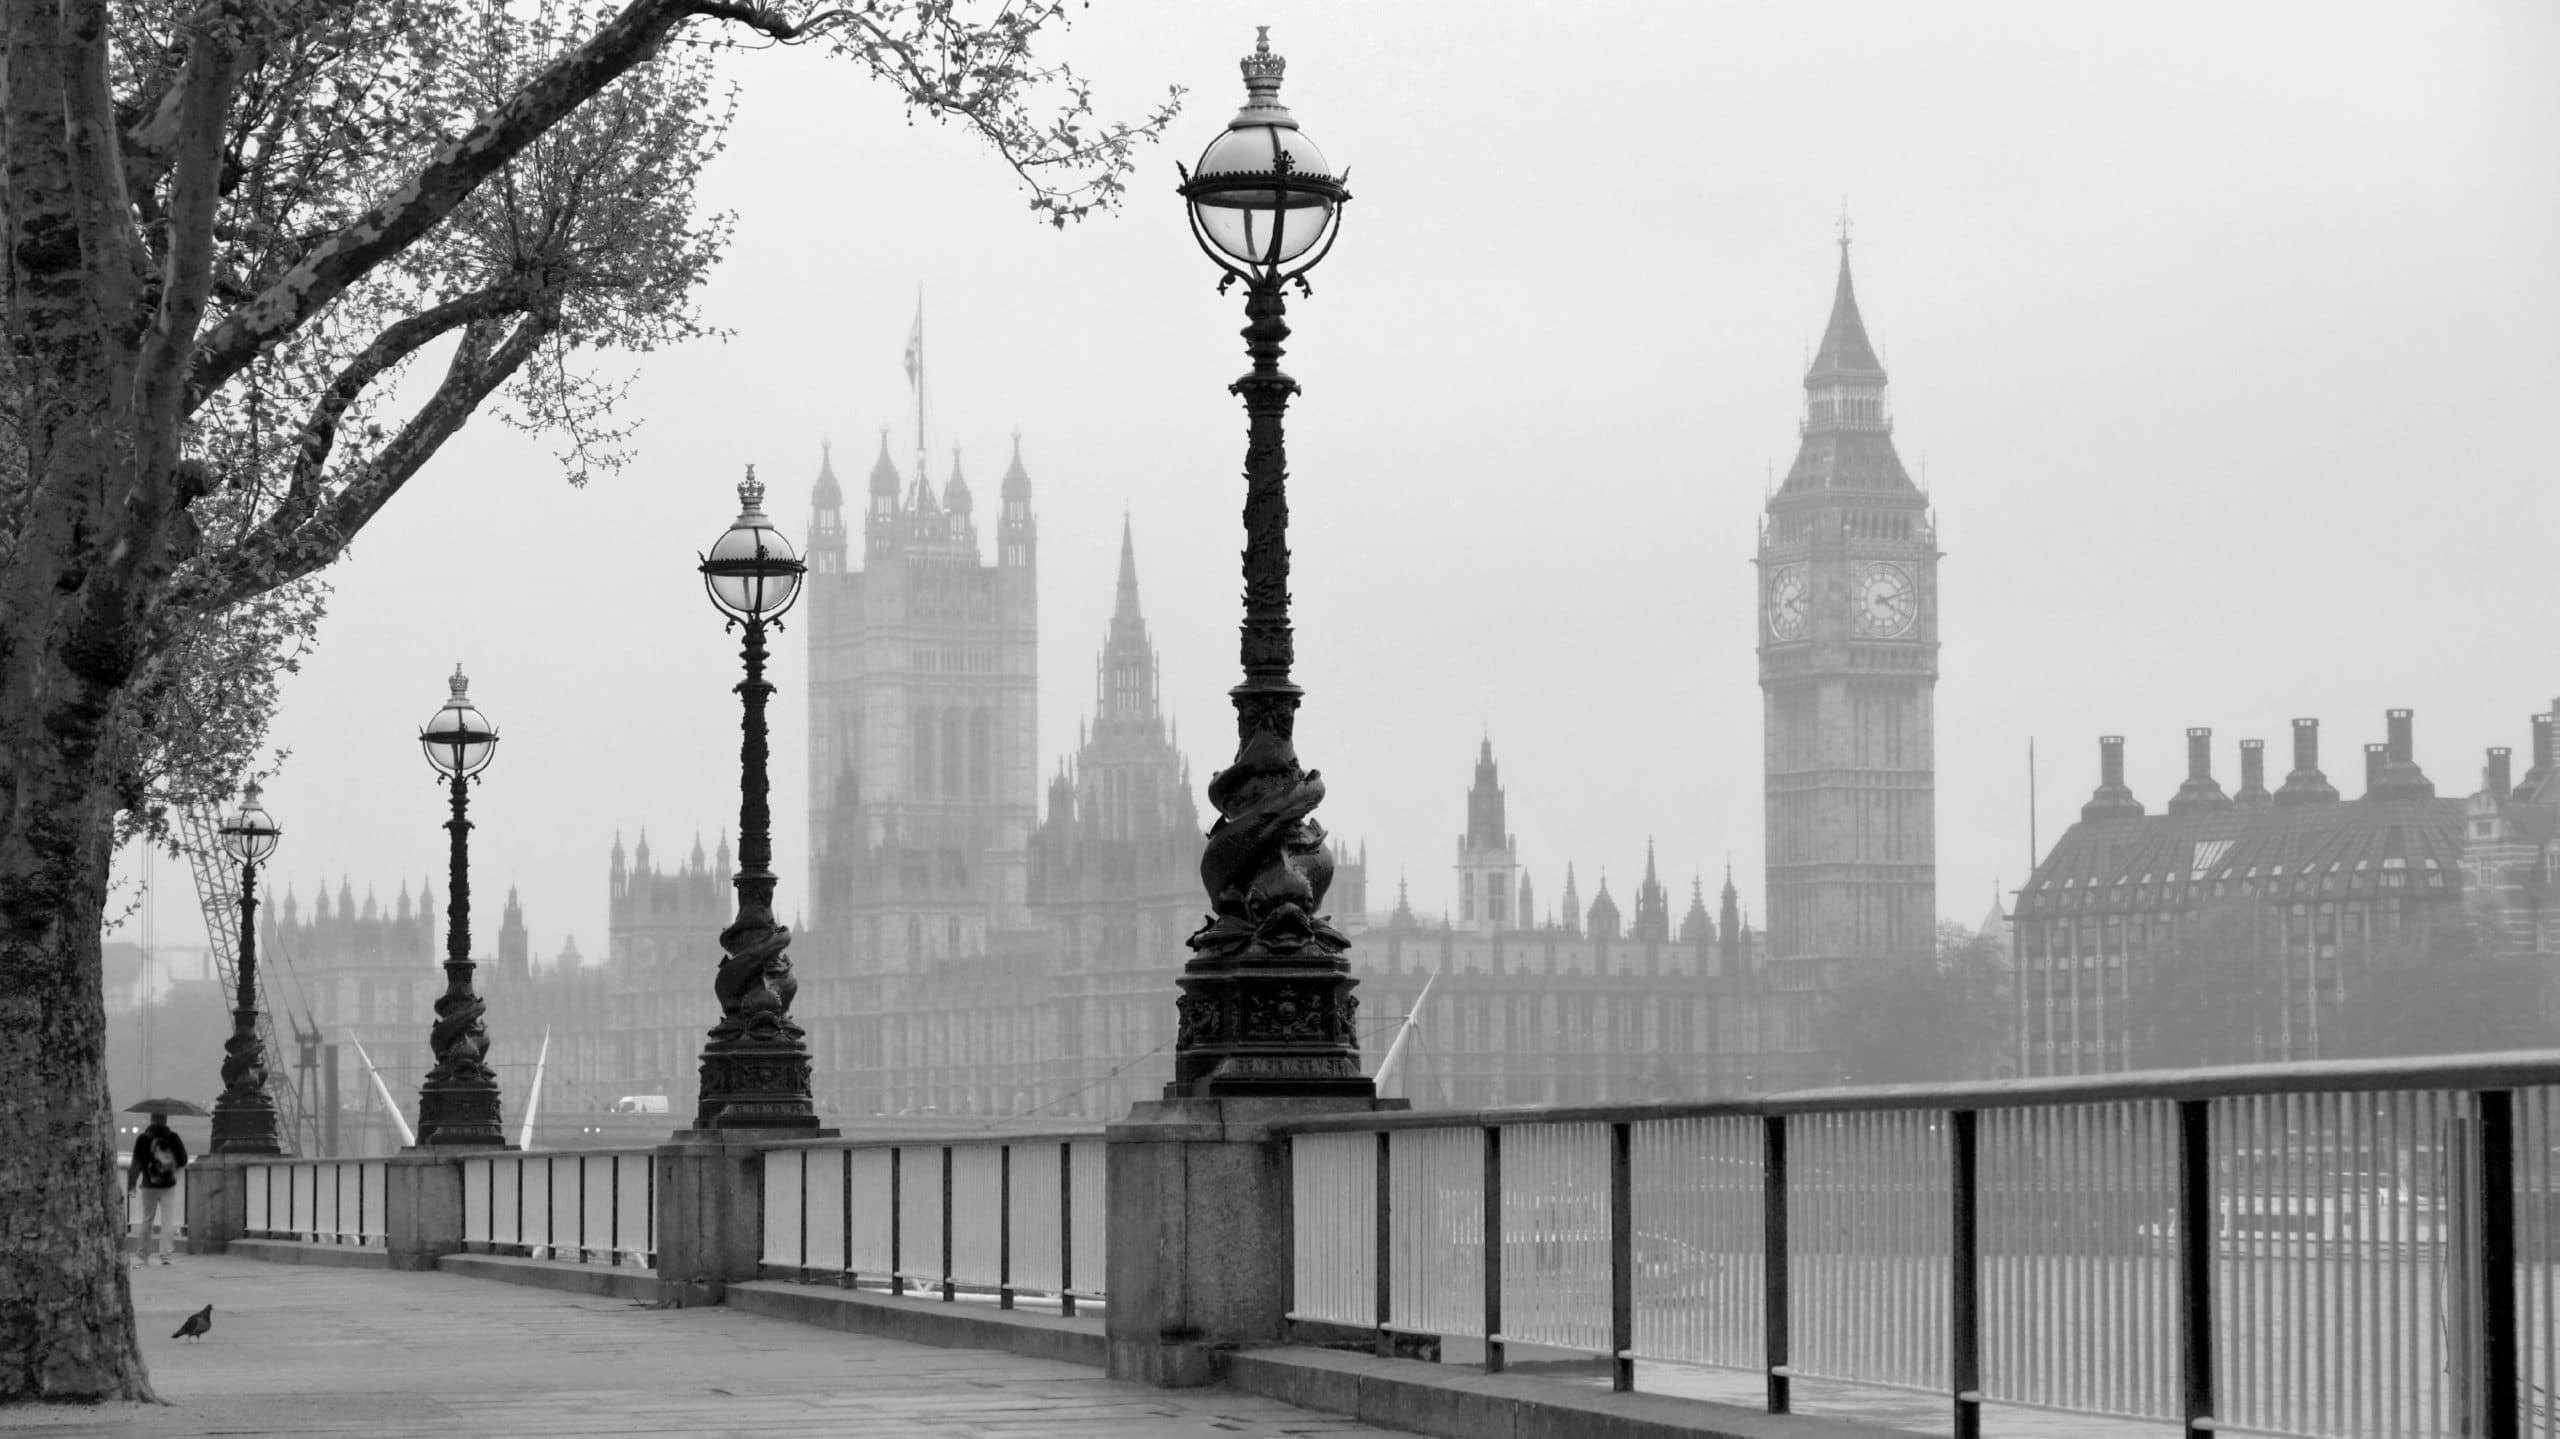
(2322, 878)
(1848, 667)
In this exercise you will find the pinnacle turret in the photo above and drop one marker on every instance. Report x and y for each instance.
(1017, 480)
(955, 495)
(827, 495)
(884, 473)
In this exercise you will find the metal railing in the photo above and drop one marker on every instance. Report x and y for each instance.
(2326, 1249)
(1013, 1217)
(583, 1206)
(317, 1201)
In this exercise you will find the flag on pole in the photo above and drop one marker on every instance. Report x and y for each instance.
(915, 346)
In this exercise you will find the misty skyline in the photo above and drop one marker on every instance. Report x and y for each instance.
(2221, 339)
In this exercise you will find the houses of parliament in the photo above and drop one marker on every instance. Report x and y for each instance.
(990, 933)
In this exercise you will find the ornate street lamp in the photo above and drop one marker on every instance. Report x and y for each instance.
(1266, 1006)
(458, 1103)
(244, 1118)
(755, 1065)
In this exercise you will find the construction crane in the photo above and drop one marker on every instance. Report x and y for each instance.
(218, 890)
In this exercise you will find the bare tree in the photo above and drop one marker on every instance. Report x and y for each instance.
(230, 226)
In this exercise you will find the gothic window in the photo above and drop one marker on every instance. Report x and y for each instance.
(978, 753)
(922, 771)
(955, 753)
(1466, 896)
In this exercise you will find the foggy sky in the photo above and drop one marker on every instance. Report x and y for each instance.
(2224, 334)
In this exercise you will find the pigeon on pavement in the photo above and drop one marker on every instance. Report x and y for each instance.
(197, 1325)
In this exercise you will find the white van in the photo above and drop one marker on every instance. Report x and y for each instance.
(641, 1104)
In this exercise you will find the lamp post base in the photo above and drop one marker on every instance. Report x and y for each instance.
(460, 1116)
(245, 1126)
(1275, 1030)
(750, 1083)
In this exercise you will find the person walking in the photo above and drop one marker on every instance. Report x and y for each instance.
(158, 1155)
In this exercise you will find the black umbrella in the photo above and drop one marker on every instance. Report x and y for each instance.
(169, 1106)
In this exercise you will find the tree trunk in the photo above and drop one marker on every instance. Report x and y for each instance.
(66, 1316)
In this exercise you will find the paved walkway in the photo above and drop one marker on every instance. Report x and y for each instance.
(298, 1350)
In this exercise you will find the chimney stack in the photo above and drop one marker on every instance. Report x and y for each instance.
(2306, 785)
(2253, 775)
(2377, 758)
(2498, 785)
(2400, 778)
(2199, 792)
(2541, 747)
(2112, 800)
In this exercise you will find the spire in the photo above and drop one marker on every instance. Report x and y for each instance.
(884, 471)
(1125, 607)
(1845, 351)
(828, 495)
(1125, 676)
(618, 857)
(1603, 921)
(1017, 480)
(1570, 920)
(1487, 825)
(1695, 927)
(1848, 437)
(640, 856)
(1403, 916)
(955, 495)
(1653, 907)
(1729, 920)
(697, 860)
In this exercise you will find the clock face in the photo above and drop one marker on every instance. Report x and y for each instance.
(1888, 601)
(1786, 602)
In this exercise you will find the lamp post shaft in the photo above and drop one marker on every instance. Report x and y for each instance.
(244, 1118)
(755, 1067)
(1267, 645)
(458, 1103)
(1266, 1008)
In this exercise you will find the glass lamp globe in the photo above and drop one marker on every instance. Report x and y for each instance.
(1262, 195)
(459, 740)
(752, 573)
(251, 833)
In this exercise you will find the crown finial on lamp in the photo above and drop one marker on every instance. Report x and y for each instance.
(1262, 71)
(751, 494)
(460, 686)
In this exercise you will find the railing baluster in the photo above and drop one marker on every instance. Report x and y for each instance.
(897, 1255)
(950, 1291)
(1622, 1262)
(1964, 1274)
(1066, 1229)
(2496, 1404)
(1004, 1226)
(1384, 1241)
(1493, 1249)
(1773, 1230)
(2196, 1248)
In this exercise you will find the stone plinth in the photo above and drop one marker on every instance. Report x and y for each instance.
(422, 1206)
(710, 1213)
(1200, 1232)
(217, 1203)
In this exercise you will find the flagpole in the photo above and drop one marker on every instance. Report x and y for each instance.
(921, 477)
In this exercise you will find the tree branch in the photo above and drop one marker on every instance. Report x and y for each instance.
(477, 369)
(449, 177)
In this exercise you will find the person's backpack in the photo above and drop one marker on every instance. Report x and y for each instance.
(159, 1166)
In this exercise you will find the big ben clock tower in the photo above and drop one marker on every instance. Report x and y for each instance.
(1848, 662)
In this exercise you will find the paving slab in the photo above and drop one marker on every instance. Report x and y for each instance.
(299, 1350)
